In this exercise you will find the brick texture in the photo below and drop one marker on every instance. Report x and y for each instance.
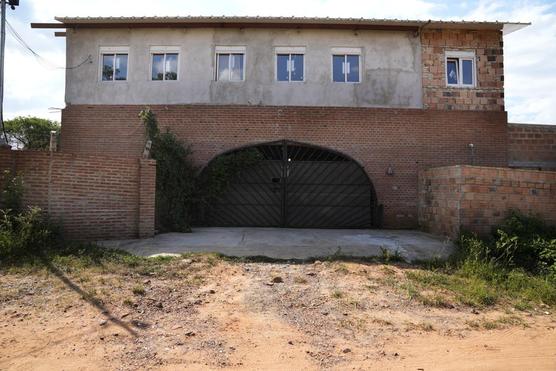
(532, 146)
(476, 198)
(406, 139)
(91, 196)
(489, 92)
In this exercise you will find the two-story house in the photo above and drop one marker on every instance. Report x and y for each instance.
(344, 111)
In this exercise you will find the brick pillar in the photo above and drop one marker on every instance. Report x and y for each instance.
(147, 189)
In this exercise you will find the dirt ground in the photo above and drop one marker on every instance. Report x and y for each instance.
(203, 313)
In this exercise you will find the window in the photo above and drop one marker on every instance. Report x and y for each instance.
(460, 69)
(345, 65)
(230, 63)
(114, 64)
(164, 63)
(290, 64)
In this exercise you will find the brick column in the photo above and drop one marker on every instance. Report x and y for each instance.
(147, 189)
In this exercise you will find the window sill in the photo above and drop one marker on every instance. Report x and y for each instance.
(461, 86)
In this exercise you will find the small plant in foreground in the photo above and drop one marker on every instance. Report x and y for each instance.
(138, 290)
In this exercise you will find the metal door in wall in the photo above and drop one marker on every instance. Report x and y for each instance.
(296, 185)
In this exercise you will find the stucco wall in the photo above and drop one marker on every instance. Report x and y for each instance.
(391, 68)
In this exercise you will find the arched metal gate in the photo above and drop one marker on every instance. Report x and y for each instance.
(299, 186)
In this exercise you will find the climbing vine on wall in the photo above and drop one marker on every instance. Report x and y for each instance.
(182, 191)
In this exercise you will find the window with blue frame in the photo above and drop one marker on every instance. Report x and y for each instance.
(345, 68)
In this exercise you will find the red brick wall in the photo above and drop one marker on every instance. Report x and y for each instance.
(488, 47)
(477, 198)
(92, 196)
(406, 139)
(532, 146)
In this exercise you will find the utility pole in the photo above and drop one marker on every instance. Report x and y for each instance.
(13, 4)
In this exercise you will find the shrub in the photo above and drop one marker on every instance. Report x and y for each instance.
(11, 197)
(516, 265)
(520, 242)
(22, 231)
(26, 233)
(175, 177)
(181, 191)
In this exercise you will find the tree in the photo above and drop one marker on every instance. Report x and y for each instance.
(31, 132)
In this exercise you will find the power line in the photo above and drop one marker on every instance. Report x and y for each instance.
(43, 61)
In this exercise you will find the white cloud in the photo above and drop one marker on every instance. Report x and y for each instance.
(529, 53)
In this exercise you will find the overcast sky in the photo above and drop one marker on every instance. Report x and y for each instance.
(34, 86)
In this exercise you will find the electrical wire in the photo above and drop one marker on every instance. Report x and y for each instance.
(44, 62)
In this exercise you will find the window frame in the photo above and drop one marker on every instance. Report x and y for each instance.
(113, 50)
(346, 52)
(164, 50)
(230, 50)
(461, 56)
(289, 50)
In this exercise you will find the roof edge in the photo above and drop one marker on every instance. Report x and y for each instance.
(282, 22)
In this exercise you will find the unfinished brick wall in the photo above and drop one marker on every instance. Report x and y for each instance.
(489, 91)
(477, 198)
(532, 146)
(406, 139)
(92, 196)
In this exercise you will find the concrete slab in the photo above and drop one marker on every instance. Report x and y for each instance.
(284, 243)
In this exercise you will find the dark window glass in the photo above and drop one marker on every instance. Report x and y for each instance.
(338, 62)
(107, 67)
(452, 71)
(158, 67)
(282, 73)
(121, 67)
(171, 67)
(467, 71)
(296, 67)
(352, 68)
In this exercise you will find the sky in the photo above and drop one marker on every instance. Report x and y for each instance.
(35, 86)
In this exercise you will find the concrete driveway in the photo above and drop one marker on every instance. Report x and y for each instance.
(283, 243)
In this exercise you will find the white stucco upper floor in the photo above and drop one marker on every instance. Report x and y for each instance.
(390, 67)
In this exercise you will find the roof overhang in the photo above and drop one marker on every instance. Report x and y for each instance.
(273, 22)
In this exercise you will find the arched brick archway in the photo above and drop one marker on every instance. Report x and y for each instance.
(296, 185)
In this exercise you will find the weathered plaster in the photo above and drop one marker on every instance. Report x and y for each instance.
(391, 63)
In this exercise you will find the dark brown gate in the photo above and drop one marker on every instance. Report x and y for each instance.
(299, 186)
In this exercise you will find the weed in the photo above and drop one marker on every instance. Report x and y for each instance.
(342, 268)
(300, 280)
(337, 294)
(499, 323)
(138, 290)
(422, 326)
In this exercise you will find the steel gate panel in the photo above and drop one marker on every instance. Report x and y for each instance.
(298, 186)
